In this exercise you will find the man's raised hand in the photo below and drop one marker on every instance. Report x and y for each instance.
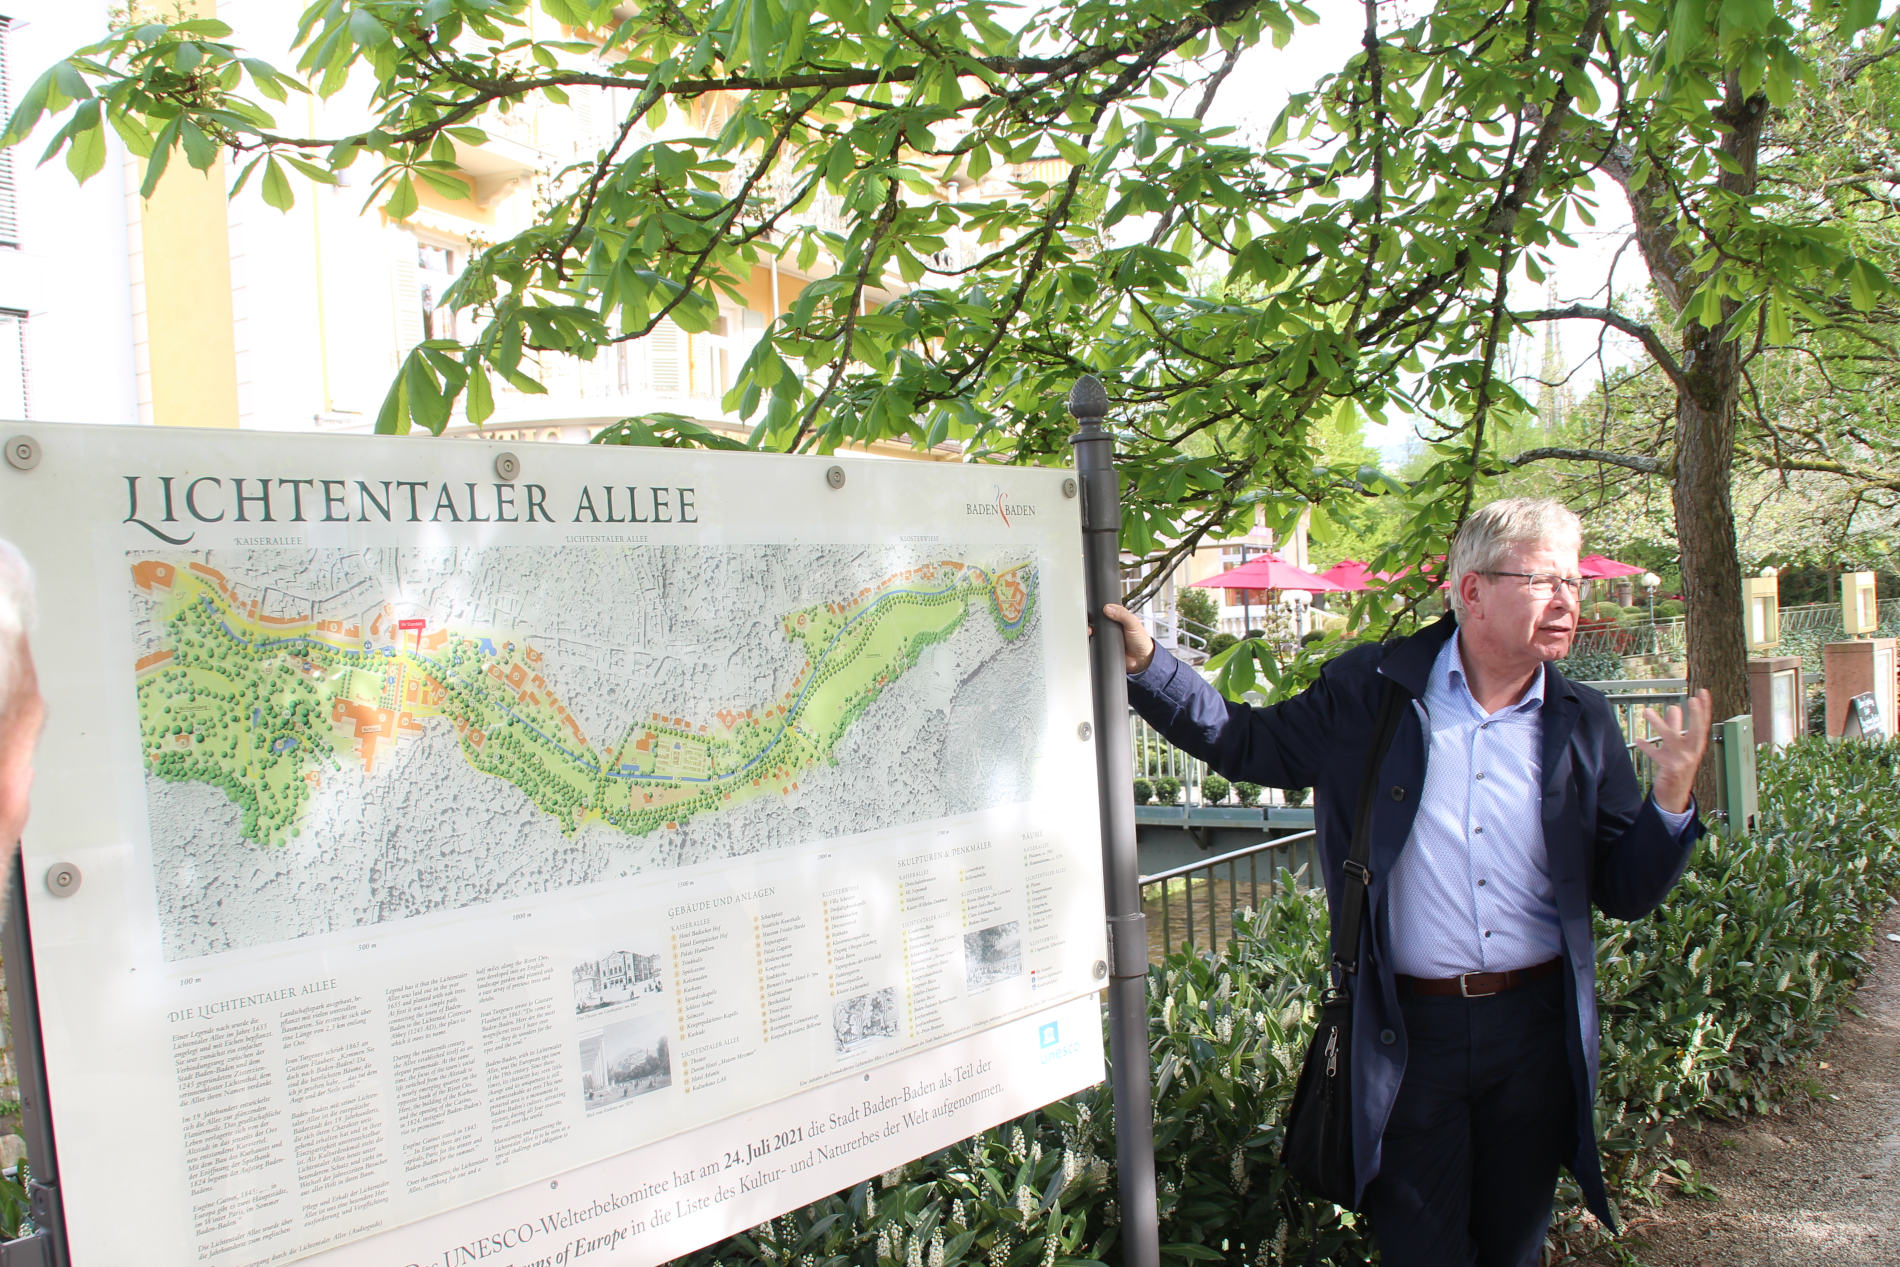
(1682, 734)
(1137, 647)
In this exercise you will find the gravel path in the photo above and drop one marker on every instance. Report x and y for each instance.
(1817, 1185)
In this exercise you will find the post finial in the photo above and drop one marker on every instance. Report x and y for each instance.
(1088, 399)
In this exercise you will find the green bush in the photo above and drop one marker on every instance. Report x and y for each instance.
(1144, 791)
(1750, 961)
(1670, 608)
(1592, 666)
(1214, 789)
(1249, 793)
(1220, 642)
(1199, 606)
(1296, 796)
(1735, 978)
(1612, 612)
(1168, 790)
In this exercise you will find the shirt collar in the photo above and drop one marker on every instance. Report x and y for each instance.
(1448, 674)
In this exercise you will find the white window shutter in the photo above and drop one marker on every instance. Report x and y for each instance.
(666, 358)
(406, 294)
(9, 194)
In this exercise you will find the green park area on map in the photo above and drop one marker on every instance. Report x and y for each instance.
(265, 709)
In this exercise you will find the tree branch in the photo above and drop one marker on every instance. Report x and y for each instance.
(1648, 336)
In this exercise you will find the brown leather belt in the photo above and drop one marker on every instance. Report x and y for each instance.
(1476, 985)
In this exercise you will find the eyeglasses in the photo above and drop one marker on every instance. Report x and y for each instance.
(1544, 584)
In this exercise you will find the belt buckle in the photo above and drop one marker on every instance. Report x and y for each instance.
(1464, 986)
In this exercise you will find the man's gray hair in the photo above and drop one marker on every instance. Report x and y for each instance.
(16, 617)
(1493, 529)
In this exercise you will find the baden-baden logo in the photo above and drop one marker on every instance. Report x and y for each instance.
(999, 507)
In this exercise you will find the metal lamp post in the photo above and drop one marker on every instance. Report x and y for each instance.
(1650, 582)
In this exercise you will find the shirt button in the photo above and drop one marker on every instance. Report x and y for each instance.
(1481, 884)
(1478, 830)
(1481, 776)
(1487, 932)
(1387, 1037)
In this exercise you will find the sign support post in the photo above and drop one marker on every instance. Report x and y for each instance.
(1127, 926)
(45, 1247)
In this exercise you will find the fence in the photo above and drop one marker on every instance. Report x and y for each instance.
(1628, 699)
(1669, 637)
(1156, 759)
(1198, 896)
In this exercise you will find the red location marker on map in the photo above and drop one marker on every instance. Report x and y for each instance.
(417, 625)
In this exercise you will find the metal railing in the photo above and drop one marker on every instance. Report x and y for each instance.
(1669, 637)
(1663, 637)
(1155, 759)
(1731, 744)
(1628, 698)
(1199, 897)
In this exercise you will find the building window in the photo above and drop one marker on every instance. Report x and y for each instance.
(13, 396)
(435, 271)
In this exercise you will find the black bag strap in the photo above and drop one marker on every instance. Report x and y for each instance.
(1352, 906)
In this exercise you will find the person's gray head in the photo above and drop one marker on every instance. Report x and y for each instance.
(1493, 531)
(16, 620)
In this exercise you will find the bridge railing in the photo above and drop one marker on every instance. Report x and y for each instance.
(1200, 899)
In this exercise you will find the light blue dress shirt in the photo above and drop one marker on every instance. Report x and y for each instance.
(1471, 891)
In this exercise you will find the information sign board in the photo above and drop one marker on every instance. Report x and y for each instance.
(1863, 718)
(626, 850)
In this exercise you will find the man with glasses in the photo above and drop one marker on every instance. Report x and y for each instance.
(1504, 809)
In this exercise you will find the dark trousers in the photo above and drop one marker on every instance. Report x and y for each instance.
(1484, 1120)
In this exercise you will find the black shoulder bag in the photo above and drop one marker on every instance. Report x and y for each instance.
(1317, 1149)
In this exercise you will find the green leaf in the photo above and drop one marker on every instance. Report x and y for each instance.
(428, 404)
(481, 396)
(161, 155)
(393, 418)
(88, 153)
(403, 201)
(276, 186)
(200, 150)
(443, 183)
(366, 30)
(1857, 15)
(33, 103)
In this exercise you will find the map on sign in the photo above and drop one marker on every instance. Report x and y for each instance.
(338, 738)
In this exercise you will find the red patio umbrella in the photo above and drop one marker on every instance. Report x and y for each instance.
(1431, 567)
(1595, 566)
(1351, 575)
(1269, 572)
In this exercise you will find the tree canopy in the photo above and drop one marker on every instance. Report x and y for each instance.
(1354, 258)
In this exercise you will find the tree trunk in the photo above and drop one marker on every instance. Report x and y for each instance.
(1708, 392)
(1705, 527)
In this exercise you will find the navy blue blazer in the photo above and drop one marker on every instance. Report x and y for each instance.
(1607, 844)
